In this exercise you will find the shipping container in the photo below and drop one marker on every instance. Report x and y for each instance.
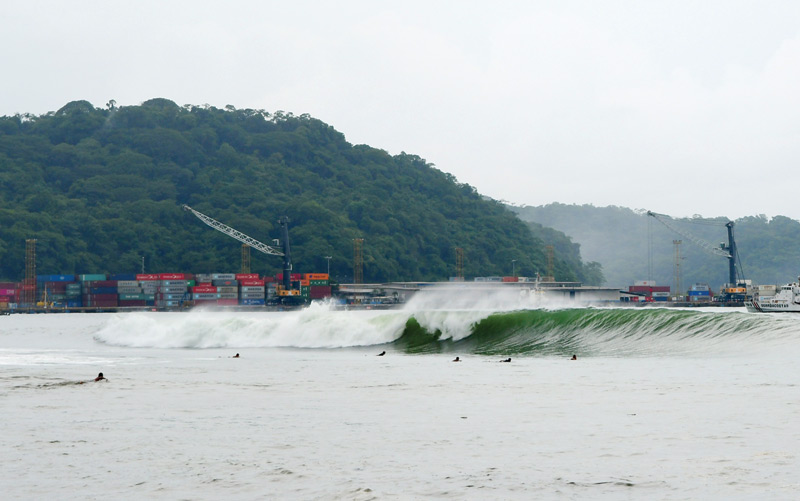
(699, 293)
(252, 295)
(510, 279)
(223, 276)
(312, 282)
(147, 278)
(205, 289)
(228, 295)
(175, 276)
(123, 277)
(55, 278)
(128, 297)
(174, 283)
(252, 302)
(246, 276)
(319, 292)
(228, 302)
(225, 282)
(91, 278)
(99, 283)
(293, 277)
(252, 289)
(316, 276)
(251, 283)
(204, 295)
(132, 302)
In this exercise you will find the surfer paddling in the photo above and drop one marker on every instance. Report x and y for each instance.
(456, 359)
(381, 354)
(235, 356)
(506, 360)
(574, 357)
(100, 377)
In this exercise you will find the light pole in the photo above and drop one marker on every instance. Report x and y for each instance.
(329, 266)
(513, 267)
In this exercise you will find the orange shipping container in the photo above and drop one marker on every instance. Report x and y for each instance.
(316, 276)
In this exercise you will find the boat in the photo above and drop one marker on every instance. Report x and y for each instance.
(786, 300)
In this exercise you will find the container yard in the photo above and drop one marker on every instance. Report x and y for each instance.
(163, 291)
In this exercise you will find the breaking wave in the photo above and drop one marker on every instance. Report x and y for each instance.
(532, 332)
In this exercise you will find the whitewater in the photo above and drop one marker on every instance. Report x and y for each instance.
(661, 403)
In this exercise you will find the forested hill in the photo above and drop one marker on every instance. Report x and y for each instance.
(100, 188)
(617, 237)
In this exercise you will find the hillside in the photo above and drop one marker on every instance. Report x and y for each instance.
(618, 237)
(102, 188)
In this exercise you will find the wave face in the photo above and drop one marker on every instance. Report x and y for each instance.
(522, 332)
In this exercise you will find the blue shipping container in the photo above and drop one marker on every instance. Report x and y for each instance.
(699, 293)
(55, 278)
(252, 302)
(123, 276)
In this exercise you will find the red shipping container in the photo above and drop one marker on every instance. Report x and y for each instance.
(510, 279)
(319, 291)
(204, 289)
(175, 276)
(251, 283)
(247, 276)
(269, 280)
(293, 277)
(132, 302)
(145, 278)
(228, 302)
(101, 283)
(100, 297)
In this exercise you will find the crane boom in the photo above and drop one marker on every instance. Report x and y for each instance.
(661, 218)
(238, 235)
(726, 251)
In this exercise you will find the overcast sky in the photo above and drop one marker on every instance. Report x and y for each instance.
(681, 107)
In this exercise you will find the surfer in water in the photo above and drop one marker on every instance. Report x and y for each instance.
(100, 377)
(506, 360)
(381, 354)
(236, 356)
(456, 359)
(574, 357)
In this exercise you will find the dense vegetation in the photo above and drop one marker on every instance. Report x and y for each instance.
(619, 239)
(102, 188)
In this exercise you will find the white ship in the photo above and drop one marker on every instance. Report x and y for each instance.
(787, 299)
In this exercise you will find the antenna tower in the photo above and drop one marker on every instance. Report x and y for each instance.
(459, 264)
(677, 244)
(29, 288)
(551, 276)
(245, 258)
(358, 261)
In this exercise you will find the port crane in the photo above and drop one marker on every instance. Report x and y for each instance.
(727, 251)
(257, 245)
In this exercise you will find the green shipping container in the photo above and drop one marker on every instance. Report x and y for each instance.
(91, 278)
(318, 282)
(128, 297)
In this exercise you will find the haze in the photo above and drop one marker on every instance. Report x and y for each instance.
(678, 107)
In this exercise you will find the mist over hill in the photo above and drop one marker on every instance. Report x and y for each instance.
(100, 188)
(618, 238)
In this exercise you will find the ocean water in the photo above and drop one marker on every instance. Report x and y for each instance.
(660, 404)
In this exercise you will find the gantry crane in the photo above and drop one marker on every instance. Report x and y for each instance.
(259, 246)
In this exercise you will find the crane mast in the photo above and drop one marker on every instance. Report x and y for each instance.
(253, 243)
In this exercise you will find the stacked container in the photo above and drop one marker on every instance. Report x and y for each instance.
(98, 292)
(318, 285)
(9, 294)
(173, 289)
(700, 293)
(252, 290)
